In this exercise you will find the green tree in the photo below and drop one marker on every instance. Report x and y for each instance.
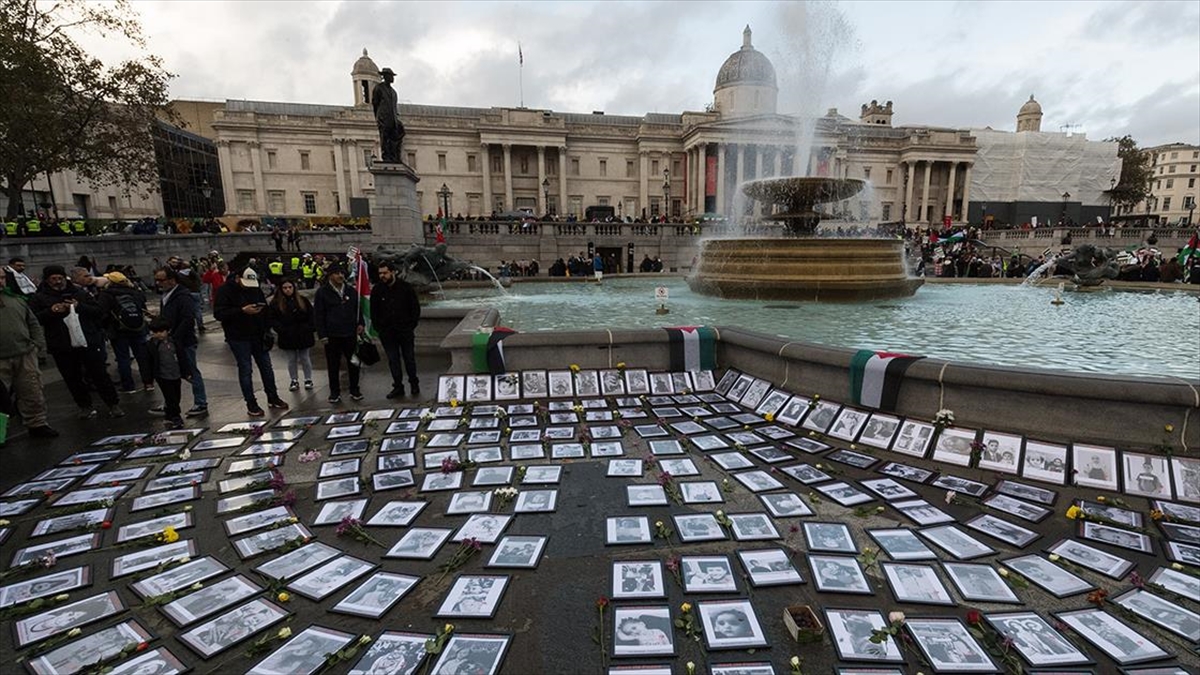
(1134, 184)
(63, 108)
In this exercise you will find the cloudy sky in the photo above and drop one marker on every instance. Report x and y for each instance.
(1105, 68)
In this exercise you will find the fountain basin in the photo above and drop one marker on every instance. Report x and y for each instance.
(803, 269)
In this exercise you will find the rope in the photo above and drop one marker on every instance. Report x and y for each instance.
(610, 346)
(786, 364)
(1188, 413)
(942, 387)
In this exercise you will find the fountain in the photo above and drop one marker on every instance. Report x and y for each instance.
(800, 266)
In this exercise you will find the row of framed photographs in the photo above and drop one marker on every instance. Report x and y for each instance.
(536, 384)
(1091, 466)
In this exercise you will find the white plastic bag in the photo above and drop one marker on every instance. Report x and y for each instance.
(74, 328)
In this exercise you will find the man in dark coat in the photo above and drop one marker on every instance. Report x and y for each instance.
(179, 311)
(241, 309)
(339, 323)
(395, 312)
(55, 300)
(123, 308)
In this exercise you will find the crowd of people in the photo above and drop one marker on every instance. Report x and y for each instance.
(79, 317)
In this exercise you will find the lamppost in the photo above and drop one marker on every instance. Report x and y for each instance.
(206, 190)
(666, 210)
(904, 193)
(1191, 207)
(1066, 197)
(546, 196)
(1112, 187)
(444, 193)
(1149, 199)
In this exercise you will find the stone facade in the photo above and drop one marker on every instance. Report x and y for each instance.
(1173, 189)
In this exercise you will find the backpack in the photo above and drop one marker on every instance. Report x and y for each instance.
(128, 313)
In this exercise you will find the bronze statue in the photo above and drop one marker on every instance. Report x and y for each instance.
(423, 267)
(391, 131)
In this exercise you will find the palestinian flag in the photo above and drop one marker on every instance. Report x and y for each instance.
(362, 286)
(693, 348)
(875, 378)
(487, 350)
(440, 230)
(1192, 248)
(955, 238)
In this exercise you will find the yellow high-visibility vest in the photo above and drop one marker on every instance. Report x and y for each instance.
(295, 263)
(276, 268)
(64, 226)
(33, 226)
(10, 228)
(310, 270)
(80, 226)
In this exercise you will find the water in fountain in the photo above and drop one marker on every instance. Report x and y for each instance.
(1036, 275)
(495, 281)
(436, 280)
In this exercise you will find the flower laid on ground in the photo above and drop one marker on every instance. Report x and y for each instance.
(869, 557)
(598, 631)
(1169, 428)
(504, 495)
(673, 566)
(661, 531)
(620, 365)
(283, 597)
(168, 535)
(770, 417)
(1074, 513)
(723, 519)
(691, 667)
(974, 617)
(309, 456)
(725, 486)
(687, 622)
(347, 653)
(185, 454)
(264, 643)
(794, 663)
(353, 527)
(1097, 597)
(467, 548)
(453, 403)
(1156, 515)
(891, 630)
(944, 418)
(435, 644)
(1136, 580)
(950, 496)
(1054, 557)
(74, 632)
(574, 367)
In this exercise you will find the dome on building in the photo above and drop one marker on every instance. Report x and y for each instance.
(364, 64)
(1031, 107)
(746, 66)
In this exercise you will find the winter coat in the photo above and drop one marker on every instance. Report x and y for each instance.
(293, 325)
(58, 339)
(180, 312)
(238, 325)
(336, 315)
(395, 309)
(165, 360)
(111, 309)
(20, 330)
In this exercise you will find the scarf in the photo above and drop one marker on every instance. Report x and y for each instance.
(23, 282)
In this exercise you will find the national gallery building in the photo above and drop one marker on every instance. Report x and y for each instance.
(297, 160)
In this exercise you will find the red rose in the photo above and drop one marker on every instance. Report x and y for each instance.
(106, 524)
(974, 617)
(142, 646)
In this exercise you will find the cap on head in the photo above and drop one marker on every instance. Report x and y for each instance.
(249, 278)
(117, 278)
(387, 71)
(50, 270)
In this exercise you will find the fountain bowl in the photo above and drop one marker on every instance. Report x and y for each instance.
(798, 196)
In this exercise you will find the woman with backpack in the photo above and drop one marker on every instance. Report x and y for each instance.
(123, 307)
(291, 316)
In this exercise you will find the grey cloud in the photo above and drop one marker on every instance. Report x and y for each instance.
(1156, 21)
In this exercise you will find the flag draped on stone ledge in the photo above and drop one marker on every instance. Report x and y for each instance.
(692, 348)
(487, 350)
(1192, 248)
(875, 378)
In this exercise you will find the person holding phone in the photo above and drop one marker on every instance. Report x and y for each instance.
(339, 323)
(241, 309)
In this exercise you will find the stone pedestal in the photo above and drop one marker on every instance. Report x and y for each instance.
(395, 213)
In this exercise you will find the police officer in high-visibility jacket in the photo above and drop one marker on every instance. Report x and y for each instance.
(295, 264)
(64, 226)
(309, 270)
(33, 227)
(275, 267)
(80, 228)
(11, 229)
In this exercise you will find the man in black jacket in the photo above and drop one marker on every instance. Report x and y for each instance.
(55, 300)
(179, 312)
(339, 322)
(123, 309)
(241, 309)
(395, 312)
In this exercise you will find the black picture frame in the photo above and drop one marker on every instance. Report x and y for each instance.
(1087, 623)
(735, 616)
(1034, 639)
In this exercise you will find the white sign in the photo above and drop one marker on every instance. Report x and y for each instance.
(661, 293)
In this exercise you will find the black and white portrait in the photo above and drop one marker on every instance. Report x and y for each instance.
(304, 653)
(221, 633)
(730, 624)
(393, 653)
(998, 528)
(838, 574)
(1094, 466)
(1147, 476)
(1050, 577)
(642, 631)
(953, 446)
(333, 513)
(535, 384)
(949, 646)
(210, 599)
(917, 584)
(1036, 640)
(698, 527)
(471, 653)
(1045, 462)
(520, 551)
(473, 596)
(852, 629)
(913, 438)
(637, 579)
(700, 492)
(1091, 558)
(329, 577)
(879, 431)
(375, 596)
(484, 527)
(978, 582)
(1121, 642)
(419, 543)
(397, 514)
(901, 543)
(707, 574)
(956, 542)
(829, 538)
(65, 617)
(785, 505)
(769, 567)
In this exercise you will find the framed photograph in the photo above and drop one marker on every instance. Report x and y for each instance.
(624, 468)
(637, 382)
(661, 384)
(209, 600)
(821, 417)
(521, 436)
(469, 502)
(1188, 534)
(998, 528)
(419, 543)
(179, 577)
(471, 653)
(901, 543)
(561, 384)
(354, 447)
(1120, 642)
(792, 411)
(702, 380)
(486, 476)
(402, 427)
(888, 489)
(378, 594)
(1045, 462)
(769, 567)
(1107, 534)
(326, 579)
(269, 540)
(524, 552)
(1165, 614)
(394, 653)
(536, 501)
(1147, 475)
(913, 438)
(727, 381)
(542, 475)
(607, 449)
(645, 495)
(959, 484)
(296, 562)
(707, 574)
(953, 446)
(172, 481)
(730, 624)
(72, 521)
(63, 618)
(978, 582)
(507, 386)
(637, 579)
(333, 513)
(1092, 558)
(956, 542)
(303, 654)
(731, 461)
(679, 467)
(1095, 467)
(785, 505)
(473, 596)
(838, 574)
(917, 584)
(567, 451)
(755, 481)
(734, 668)
(1049, 577)
(525, 452)
(698, 527)
(165, 498)
(1186, 472)
(451, 388)
(701, 492)
(397, 461)
(397, 514)
(643, 631)
(1176, 582)
(776, 432)
(535, 384)
(843, 493)
(138, 561)
(343, 431)
(240, 466)
(1178, 512)
(773, 402)
(829, 538)
(338, 487)
(949, 646)
(76, 655)
(879, 431)
(61, 548)
(851, 631)
(612, 383)
(1038, 643)
(628, 530)
(851, 458)
(485, 455)
(48, 584)
(587, 383)
(485, 527)
(1027, 492)
(906, 472)
(441, 482)
(118, 476)
(666, 447)
(159, 660)
(848, 423)
(216, 635)
(1021, 509)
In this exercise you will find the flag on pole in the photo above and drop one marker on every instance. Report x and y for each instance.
(487, 350)
(875, 378)
(520, 55)
(440, 231)
(362, 286)
(693, 348)
(955, 238)
(1190, 250)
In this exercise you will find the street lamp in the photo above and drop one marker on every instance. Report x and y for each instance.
(666, 194)
(444, 193)
(206, 190)
(1066, 197)
(1191, 207)
(546, 195)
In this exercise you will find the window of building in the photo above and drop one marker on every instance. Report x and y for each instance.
(332, 159)
(1191, 182)
(887, 211)
(655, 205)
(1166, 204)
(889, 178)
(654, 167)
(603, 201)
(552, 168)
(574, 168)
(523, 165)
(412, 160)
(866, 173)
(366, 157)
(1192, 169)
(676, 207)
(474, 203)
(276, 202)
(310, 202)
(305, 162)
(1172, 169)
(472, 164)
(337, 203)
(441, 161)
(245, 201)
(603, 167)
(1174, 155)
(1160, 170)
(629, 168)
(1170, 183)
(677, 167)
(1158, 185)
(112, 204)
(497, 164)
(498, 203)
(576, 202)
(271, 159)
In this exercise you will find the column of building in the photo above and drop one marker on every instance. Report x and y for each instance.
(949, 210)
(355, 163)
(487, 179)
(966, 198)
(562, 180)
(541, 190)
(643, 183)
(226, 165)
(508, 190)
(339, 166)
(720, 208)
(260, 195)
(924, 215)
(758, 174)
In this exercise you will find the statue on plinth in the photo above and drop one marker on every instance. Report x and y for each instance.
(391, 130)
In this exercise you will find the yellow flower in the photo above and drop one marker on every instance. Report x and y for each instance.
(1003, 572)
(1074, 512)
(366, 639)
(620, 365)
(448, 628)
(1156, 515)
(691, 667)
(685, 607)
(284, 633)
(1101, 499)
(169, 535)
(283, 597)
(1054, 557)
(770, 417)
(453, 403)
(658, 523)
(795, 661)
(1176, 566)
(1169, 428)
(574, 368)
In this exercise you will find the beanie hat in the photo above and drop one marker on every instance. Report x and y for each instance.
(50, 270)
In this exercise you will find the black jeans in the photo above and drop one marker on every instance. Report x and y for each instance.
(249, 353)
(171, 391)
(74, 363)
(398, 347)
(337, 348)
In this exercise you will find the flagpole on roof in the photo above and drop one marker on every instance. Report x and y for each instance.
(521, 73)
